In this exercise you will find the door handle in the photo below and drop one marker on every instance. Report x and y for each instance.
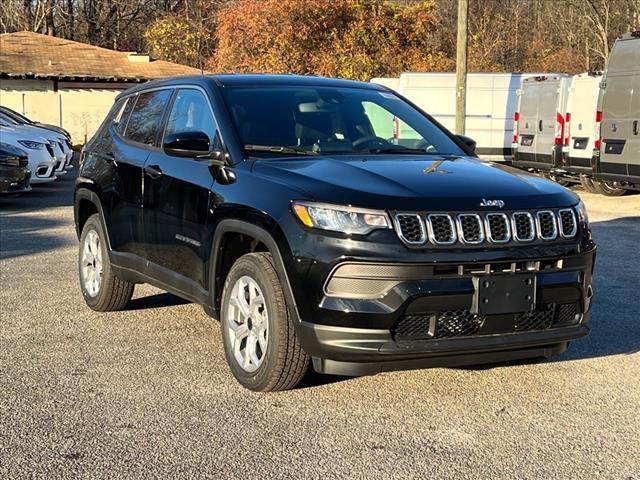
(539, 125)
(109, 157)
(635, 127)
(153, 171)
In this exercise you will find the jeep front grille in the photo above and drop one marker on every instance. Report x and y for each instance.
(411, 228)
(547, 226)
(524, 228)
(442, 229)
(568, 223)
(497, 226)
(416, 229)
(470, 227)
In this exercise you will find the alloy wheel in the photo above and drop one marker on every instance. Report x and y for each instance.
(248, 324)
(91, 263)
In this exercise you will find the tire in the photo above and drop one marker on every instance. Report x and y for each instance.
(109, 293)
(588, 184)
(609, 189)
(283, 363)
(557, 179)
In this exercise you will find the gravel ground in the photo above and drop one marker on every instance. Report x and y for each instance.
(147, 393)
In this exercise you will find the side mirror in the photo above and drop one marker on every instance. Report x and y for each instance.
(187, 144)
(469, 142)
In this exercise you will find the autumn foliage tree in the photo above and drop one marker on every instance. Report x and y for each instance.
(348, 38)
(177, 40)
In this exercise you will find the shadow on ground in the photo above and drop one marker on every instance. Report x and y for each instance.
(159, 300)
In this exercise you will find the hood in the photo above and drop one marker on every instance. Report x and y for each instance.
(43, 132)
(414, 183)
(16, 133)
(53, 128)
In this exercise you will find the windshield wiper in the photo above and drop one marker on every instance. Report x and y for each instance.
(406, 151)
(401, 150)
(279, 149)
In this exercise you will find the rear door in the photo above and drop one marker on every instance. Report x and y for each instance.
(548, 98)
(177, 196)
(527, 124)
(617, 96)
(132, 138)
(582, 105)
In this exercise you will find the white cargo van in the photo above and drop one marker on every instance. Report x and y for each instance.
(582, 104)
(541, 124)
(616, 161)
(491, 103)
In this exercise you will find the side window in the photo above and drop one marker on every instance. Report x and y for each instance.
(146, 117)
(122, 112)
(190, 113)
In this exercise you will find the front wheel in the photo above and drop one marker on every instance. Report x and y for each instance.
(588, 184)
(609, 188)
(102, 290)
(260, 341)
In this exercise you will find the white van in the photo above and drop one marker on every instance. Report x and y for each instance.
(582, 104)
(491, 104)
(541, 124)
(617, 154)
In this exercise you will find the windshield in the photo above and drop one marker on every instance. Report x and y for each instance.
(7, 120)
(15, 116)
(305, 120)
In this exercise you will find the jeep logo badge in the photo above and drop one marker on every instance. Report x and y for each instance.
(492, 203)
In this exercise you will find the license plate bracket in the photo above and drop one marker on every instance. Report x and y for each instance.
(497, 294)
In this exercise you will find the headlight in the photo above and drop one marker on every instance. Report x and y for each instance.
(31, 145)
(340, 218)
(583, 217)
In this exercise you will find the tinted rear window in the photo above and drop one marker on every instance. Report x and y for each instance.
(146, 117)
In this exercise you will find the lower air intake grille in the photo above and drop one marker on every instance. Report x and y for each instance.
(463, 323)
(566, 313)
(537, 320)
(457, 323)
(413, 327)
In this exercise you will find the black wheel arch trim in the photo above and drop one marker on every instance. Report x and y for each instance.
(84, 192)
(231, 225)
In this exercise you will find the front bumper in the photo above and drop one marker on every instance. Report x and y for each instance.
(359, 330)
(14, 180)
(355, 352)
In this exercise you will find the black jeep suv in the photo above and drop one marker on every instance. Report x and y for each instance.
(327, 221)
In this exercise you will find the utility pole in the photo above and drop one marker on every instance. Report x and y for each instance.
(461, 66)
